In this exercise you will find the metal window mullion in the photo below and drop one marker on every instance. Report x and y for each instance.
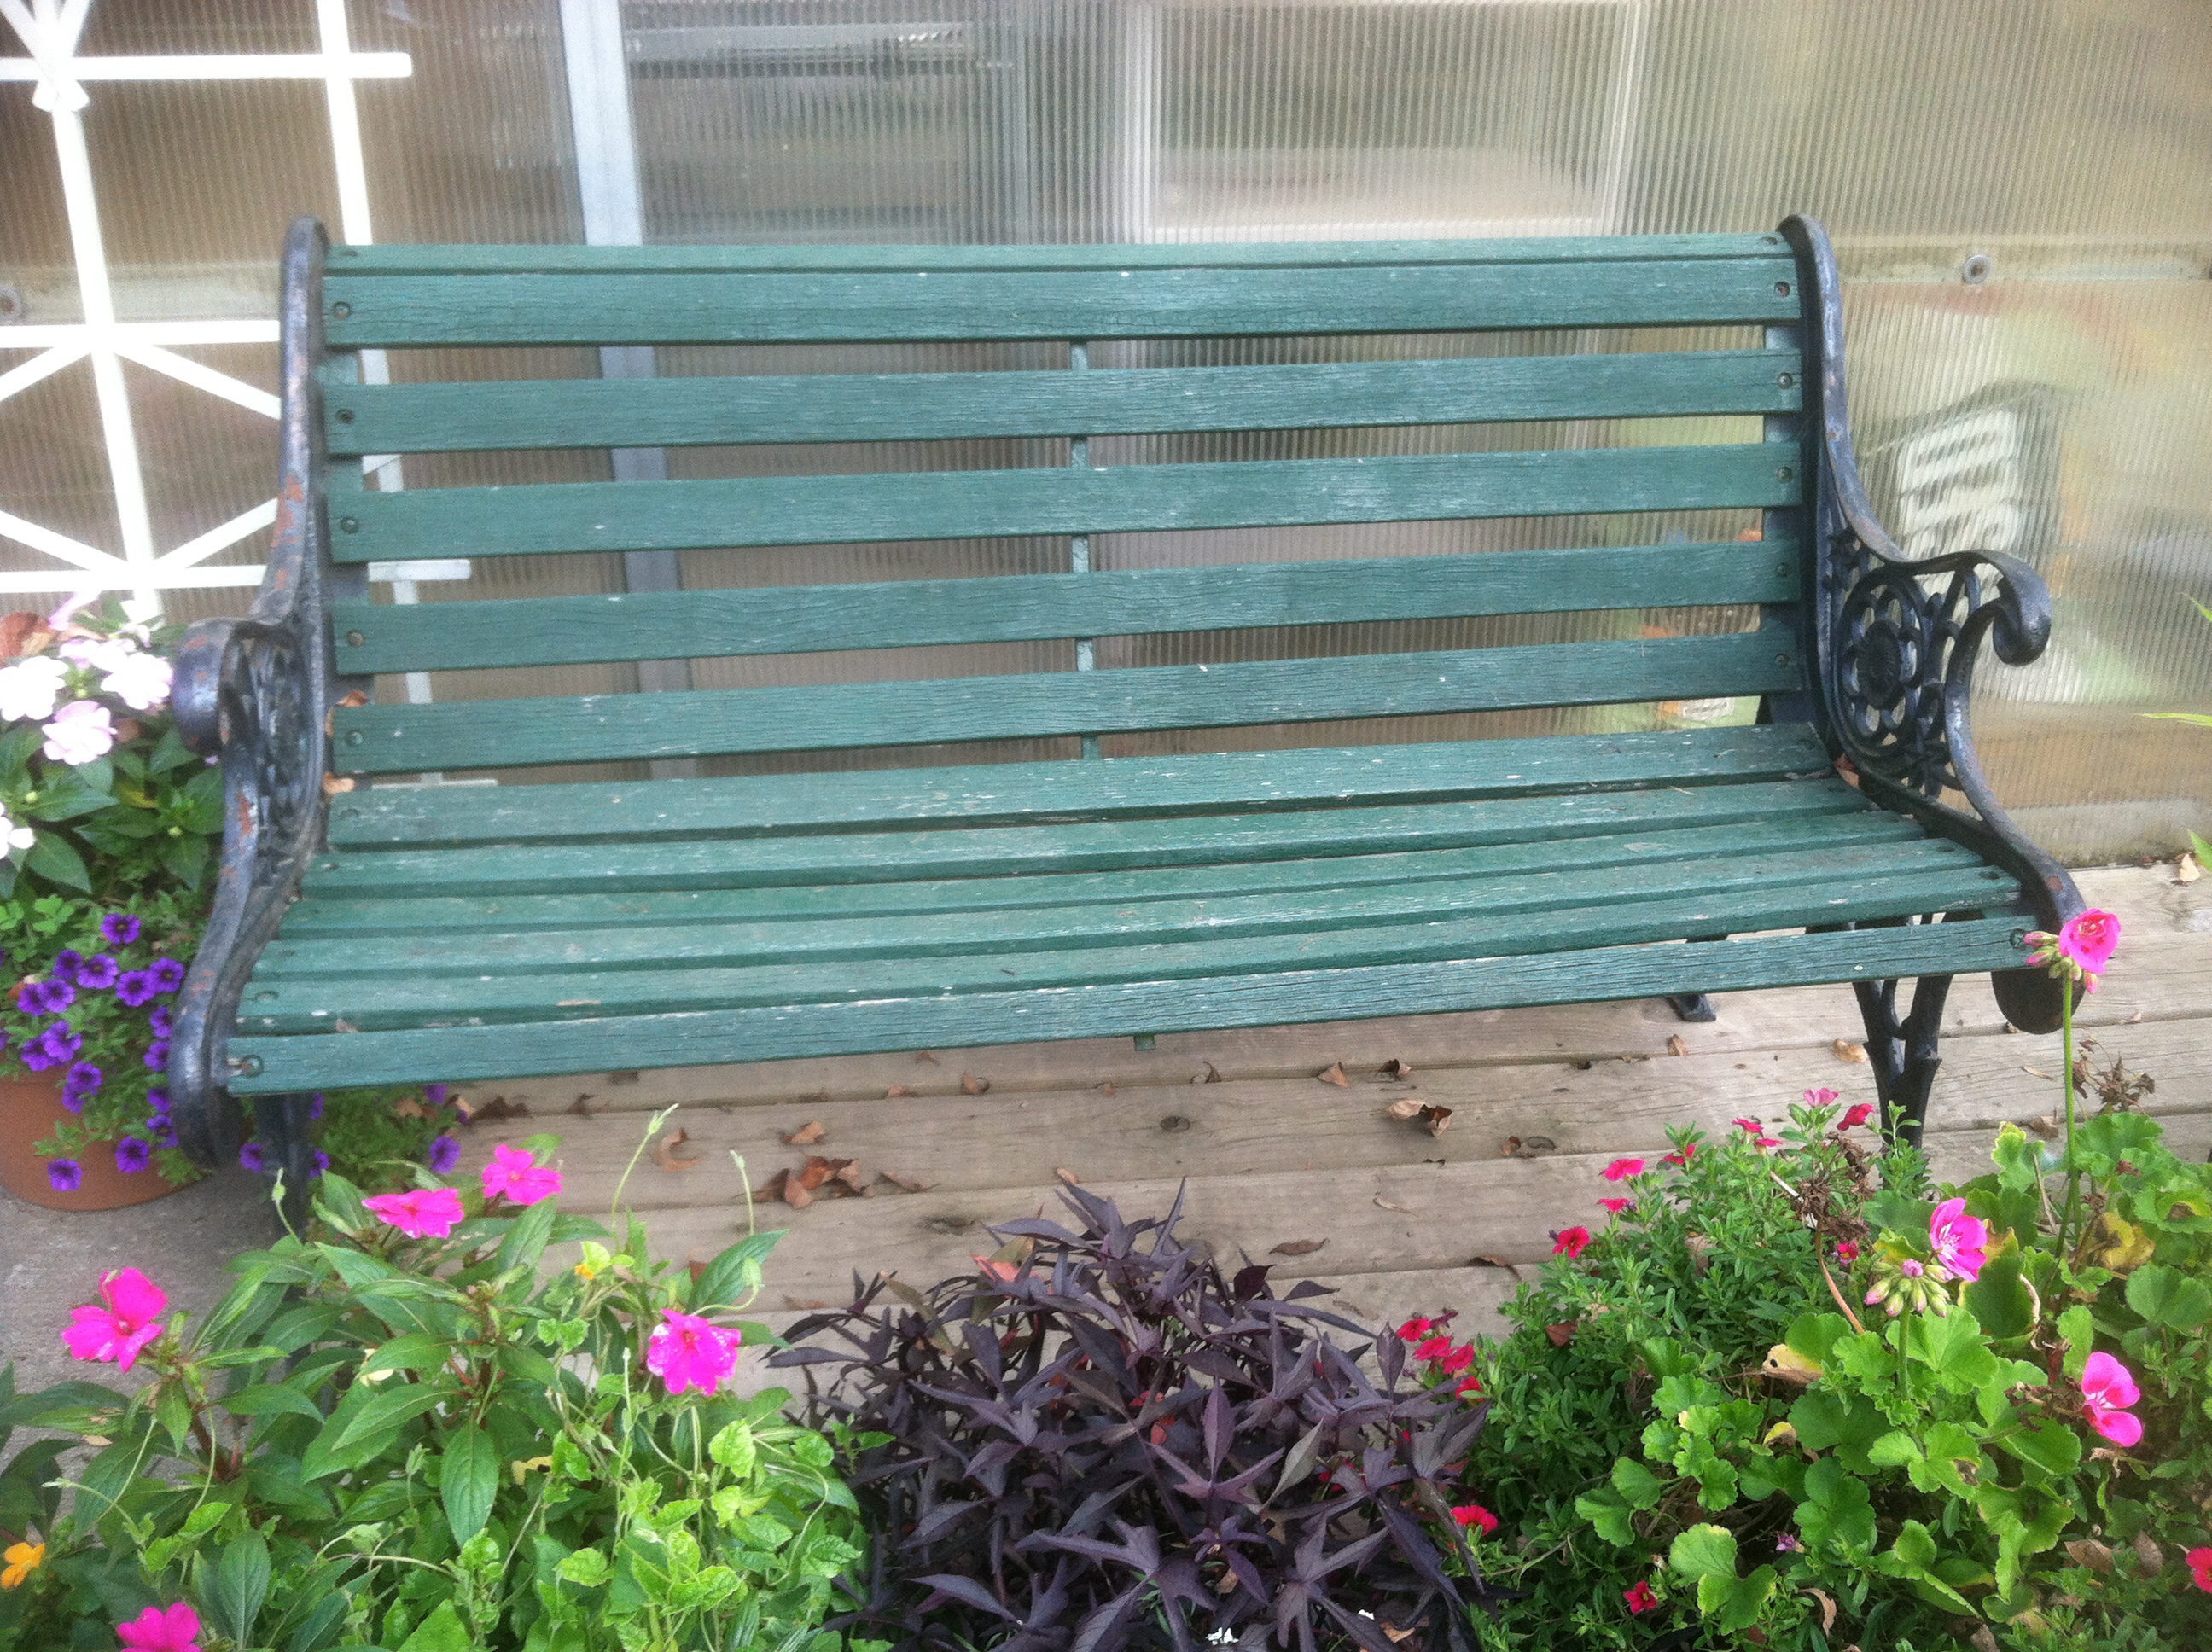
(1078, 547)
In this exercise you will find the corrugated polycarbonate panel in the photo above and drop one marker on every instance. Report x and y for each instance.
(2051, 396)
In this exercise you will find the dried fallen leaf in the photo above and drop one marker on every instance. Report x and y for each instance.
(1700, 1246)
(1334, 1074)
(1067, 1175)
(2036, 1073)
(819, 1170)
(581, 1107)
(1438, 1119)
(2132, 1019)
(771, 1190)
(1529, 1146)
(1488, 1261)
(1562, 1333)
(1677, 1045)
(795, 1195)
(1984, 1639)
(806, 1303)
(1297, 1248)
(489, 1112)
(806, 1135)
(24, 632)
(1384, 1204)
(2046, 1125)
(898, 1092)
(1827, 1608)
(1398, 1068)
(334, 784)
(339, 1024)
(2088, 1551)
(848, 1172)
(1210, 1074)
(971, 1085)
(1106, 1088)
(925, 1055)
(2186, 871)
(899, 1179)
(671, 1152)
(1405, 1108)
(2150, 1559)
(1847, 1051)
(408, 1108)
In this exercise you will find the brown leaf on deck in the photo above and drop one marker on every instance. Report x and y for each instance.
(2044, 1125)
(334, 784)
(911, 1184)
(1489, 1261)
(1847, 1051)
(1106, 1088)
(1297, 1248)
(900, 1092)
(1399, 1068)
(818, 1170)
(1067, 1175)
(1334, 1074)
(1382, 1203)
(1406, 1108)
(1528, 1147)
(1209, 1075)
(581, 1107)
(972, 1085)
(925, 1055)
(1562, 1333)
(1678, 1045)
(807, 1303)
(806, 1135)
(1438, 1119)
(671, 1152)
(771, 1191)
(490, 1112)
(848, 1174)
(795, 1195)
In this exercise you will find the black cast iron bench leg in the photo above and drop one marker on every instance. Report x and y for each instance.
(1902, 1050)
(288, 1148)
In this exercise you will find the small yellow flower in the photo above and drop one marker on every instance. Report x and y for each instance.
(586, 1271)
(23, 1559)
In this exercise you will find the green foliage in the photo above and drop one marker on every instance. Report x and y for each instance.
(1690, 1407)
(376, 1442)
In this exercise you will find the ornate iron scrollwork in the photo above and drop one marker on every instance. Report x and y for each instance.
(255, 693)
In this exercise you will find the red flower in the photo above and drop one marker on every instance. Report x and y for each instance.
(1571, 1243)
(1434, 1348)
(1617, 1205)
(1473, 1385)
(1459, 1359)
(1749, 1127)
(1414, 1329)
(1621, 1168)
(2200, 1568)
(1689, 1151)
(1847, 1250)
(1641, 1599)
(1857, 1116)
(1473, 1514)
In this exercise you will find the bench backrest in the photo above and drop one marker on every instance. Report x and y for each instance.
(1332, 386)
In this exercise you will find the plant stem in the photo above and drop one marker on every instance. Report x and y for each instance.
(2066, 1082)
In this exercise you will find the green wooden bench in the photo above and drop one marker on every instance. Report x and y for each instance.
(368, 935)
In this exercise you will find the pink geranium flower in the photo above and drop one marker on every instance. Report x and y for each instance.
(2108, 1389)
(2090, 939)
(420, 1213)
(687, 1352)
(1621, 1168)
(517, 1177)
(1959, 1239)
(1474, 1514)
(1571, 1243)
(1856, 1116)
(127, 1317)
(176, 1629)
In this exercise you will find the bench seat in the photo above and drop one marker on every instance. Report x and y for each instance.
(605, 923)
(905, 601)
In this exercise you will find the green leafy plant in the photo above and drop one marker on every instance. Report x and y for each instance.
(2197, 845)
(405, 1430)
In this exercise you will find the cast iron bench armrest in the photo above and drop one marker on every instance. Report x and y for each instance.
(1897, 637)
(255, 693)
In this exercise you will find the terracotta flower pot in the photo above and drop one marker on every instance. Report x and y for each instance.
(29, 1110)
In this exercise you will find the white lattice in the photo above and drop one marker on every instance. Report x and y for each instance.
(49, 31)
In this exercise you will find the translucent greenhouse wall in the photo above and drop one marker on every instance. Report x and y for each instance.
(2019, 190)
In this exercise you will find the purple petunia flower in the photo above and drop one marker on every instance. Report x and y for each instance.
(445, 1153)
(160, 1021)
(73, 1100)
(47, 997)
(249, 1156)
(135, 987)
(168, 974)
(65, 1176)
(433, 1095)
(132, 1156)
(66, 963)
(157, 1055)
(321, 1162)
(120, 928)
(157, 1098)
(315, 1105)
(56, 1045)
(81, 1079)
(161, 1129)
(97, 972)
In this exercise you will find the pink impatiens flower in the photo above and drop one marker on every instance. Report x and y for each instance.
(519, 1177)
(1959, 1239)
(687, 1352)
(1474, 1514)
(2108, 1389)
(1571, 1243)
(419, 1212)
(1621, 1168)
(82, 732)
(127, 1317)
(176, 1629)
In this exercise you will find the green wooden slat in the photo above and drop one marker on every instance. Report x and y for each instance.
(599, 516)
(273, 1065)
(505, 259)
(649, 865)
(430, 418)
(990, 937)
(984, 794)
(514, 733)
(617, 309)
(792, 619)
(456, 916)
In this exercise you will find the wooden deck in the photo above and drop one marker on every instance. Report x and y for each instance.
(1282, 1166)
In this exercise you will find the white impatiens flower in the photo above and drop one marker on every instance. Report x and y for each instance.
(13, 837)
(141, 681)
(80, 732)
(29, 688)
